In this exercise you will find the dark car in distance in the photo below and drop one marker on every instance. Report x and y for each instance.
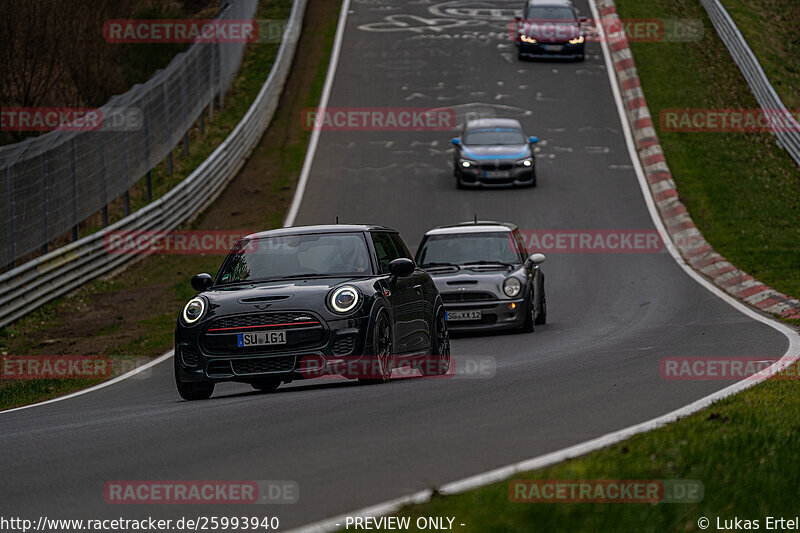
(485, 276)
(494, 152)
(293, 299)
(550, 29)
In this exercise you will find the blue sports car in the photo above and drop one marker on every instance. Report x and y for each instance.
(494, 152)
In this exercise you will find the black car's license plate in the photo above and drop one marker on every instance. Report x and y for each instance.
(264, 338)
(496, 174)
(553, 47)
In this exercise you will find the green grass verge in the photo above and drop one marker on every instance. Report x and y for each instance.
(770, 28)
(741, 189)
(742, 449)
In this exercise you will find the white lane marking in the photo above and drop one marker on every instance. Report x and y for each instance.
(102, 385)
(493, 476)
(323, 105)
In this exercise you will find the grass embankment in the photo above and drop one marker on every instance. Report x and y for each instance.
(742, 190)
(131, 316)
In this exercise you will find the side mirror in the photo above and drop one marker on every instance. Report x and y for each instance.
(537, 259)
(201, 282)
(455, 141)
(401, 267)
(533, 140)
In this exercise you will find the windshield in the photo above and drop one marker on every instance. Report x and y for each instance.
(551, 13)
(459, 249)
(297, 255)
(494, 136)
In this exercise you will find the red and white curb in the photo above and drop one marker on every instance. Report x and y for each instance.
(696, 251)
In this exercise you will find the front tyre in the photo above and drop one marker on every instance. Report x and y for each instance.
(528, 325)
(192, 390)
(438, 364)
(380, 352)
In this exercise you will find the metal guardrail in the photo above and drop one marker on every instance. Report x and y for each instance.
(39, 281)
(788, 133)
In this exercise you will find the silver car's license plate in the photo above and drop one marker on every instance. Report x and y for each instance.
(263, 338)
(497, 174)
(463, 315)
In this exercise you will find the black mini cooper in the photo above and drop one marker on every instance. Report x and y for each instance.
(302, 302)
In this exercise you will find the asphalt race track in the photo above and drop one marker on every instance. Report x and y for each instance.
(592, 369)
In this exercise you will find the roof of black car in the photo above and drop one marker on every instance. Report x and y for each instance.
(328, 228)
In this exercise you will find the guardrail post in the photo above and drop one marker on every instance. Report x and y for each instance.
(149, 176)
(149, 182)
(104, 212)
(11, 245)
(44, 205)
(74, 190)
(184, 98)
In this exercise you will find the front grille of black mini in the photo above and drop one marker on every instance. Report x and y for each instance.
(264, 365)
(261, 319)
(303, 330)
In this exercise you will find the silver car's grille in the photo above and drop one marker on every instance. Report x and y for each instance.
(467, 296)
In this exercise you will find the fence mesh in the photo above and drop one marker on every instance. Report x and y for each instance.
(53, 182)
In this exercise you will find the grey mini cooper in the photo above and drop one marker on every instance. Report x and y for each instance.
(485, 276)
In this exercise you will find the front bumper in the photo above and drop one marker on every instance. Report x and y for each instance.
(343, 338)
(483, 177)
(495, 315)
(562, 50)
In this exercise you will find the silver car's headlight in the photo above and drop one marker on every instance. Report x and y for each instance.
(466, 163)
(511, 287)
(193, 311)
(344, 299)
(527, 162)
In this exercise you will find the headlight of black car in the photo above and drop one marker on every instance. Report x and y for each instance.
(467, 163)
(527, 162)
(511, 287)
(193, 311)
(344, 299)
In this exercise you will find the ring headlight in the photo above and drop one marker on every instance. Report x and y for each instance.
(344, 299)
(193, 310)
(511, 287)
(577, 40)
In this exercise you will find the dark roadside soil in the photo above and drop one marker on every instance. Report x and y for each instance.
(130, 316)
